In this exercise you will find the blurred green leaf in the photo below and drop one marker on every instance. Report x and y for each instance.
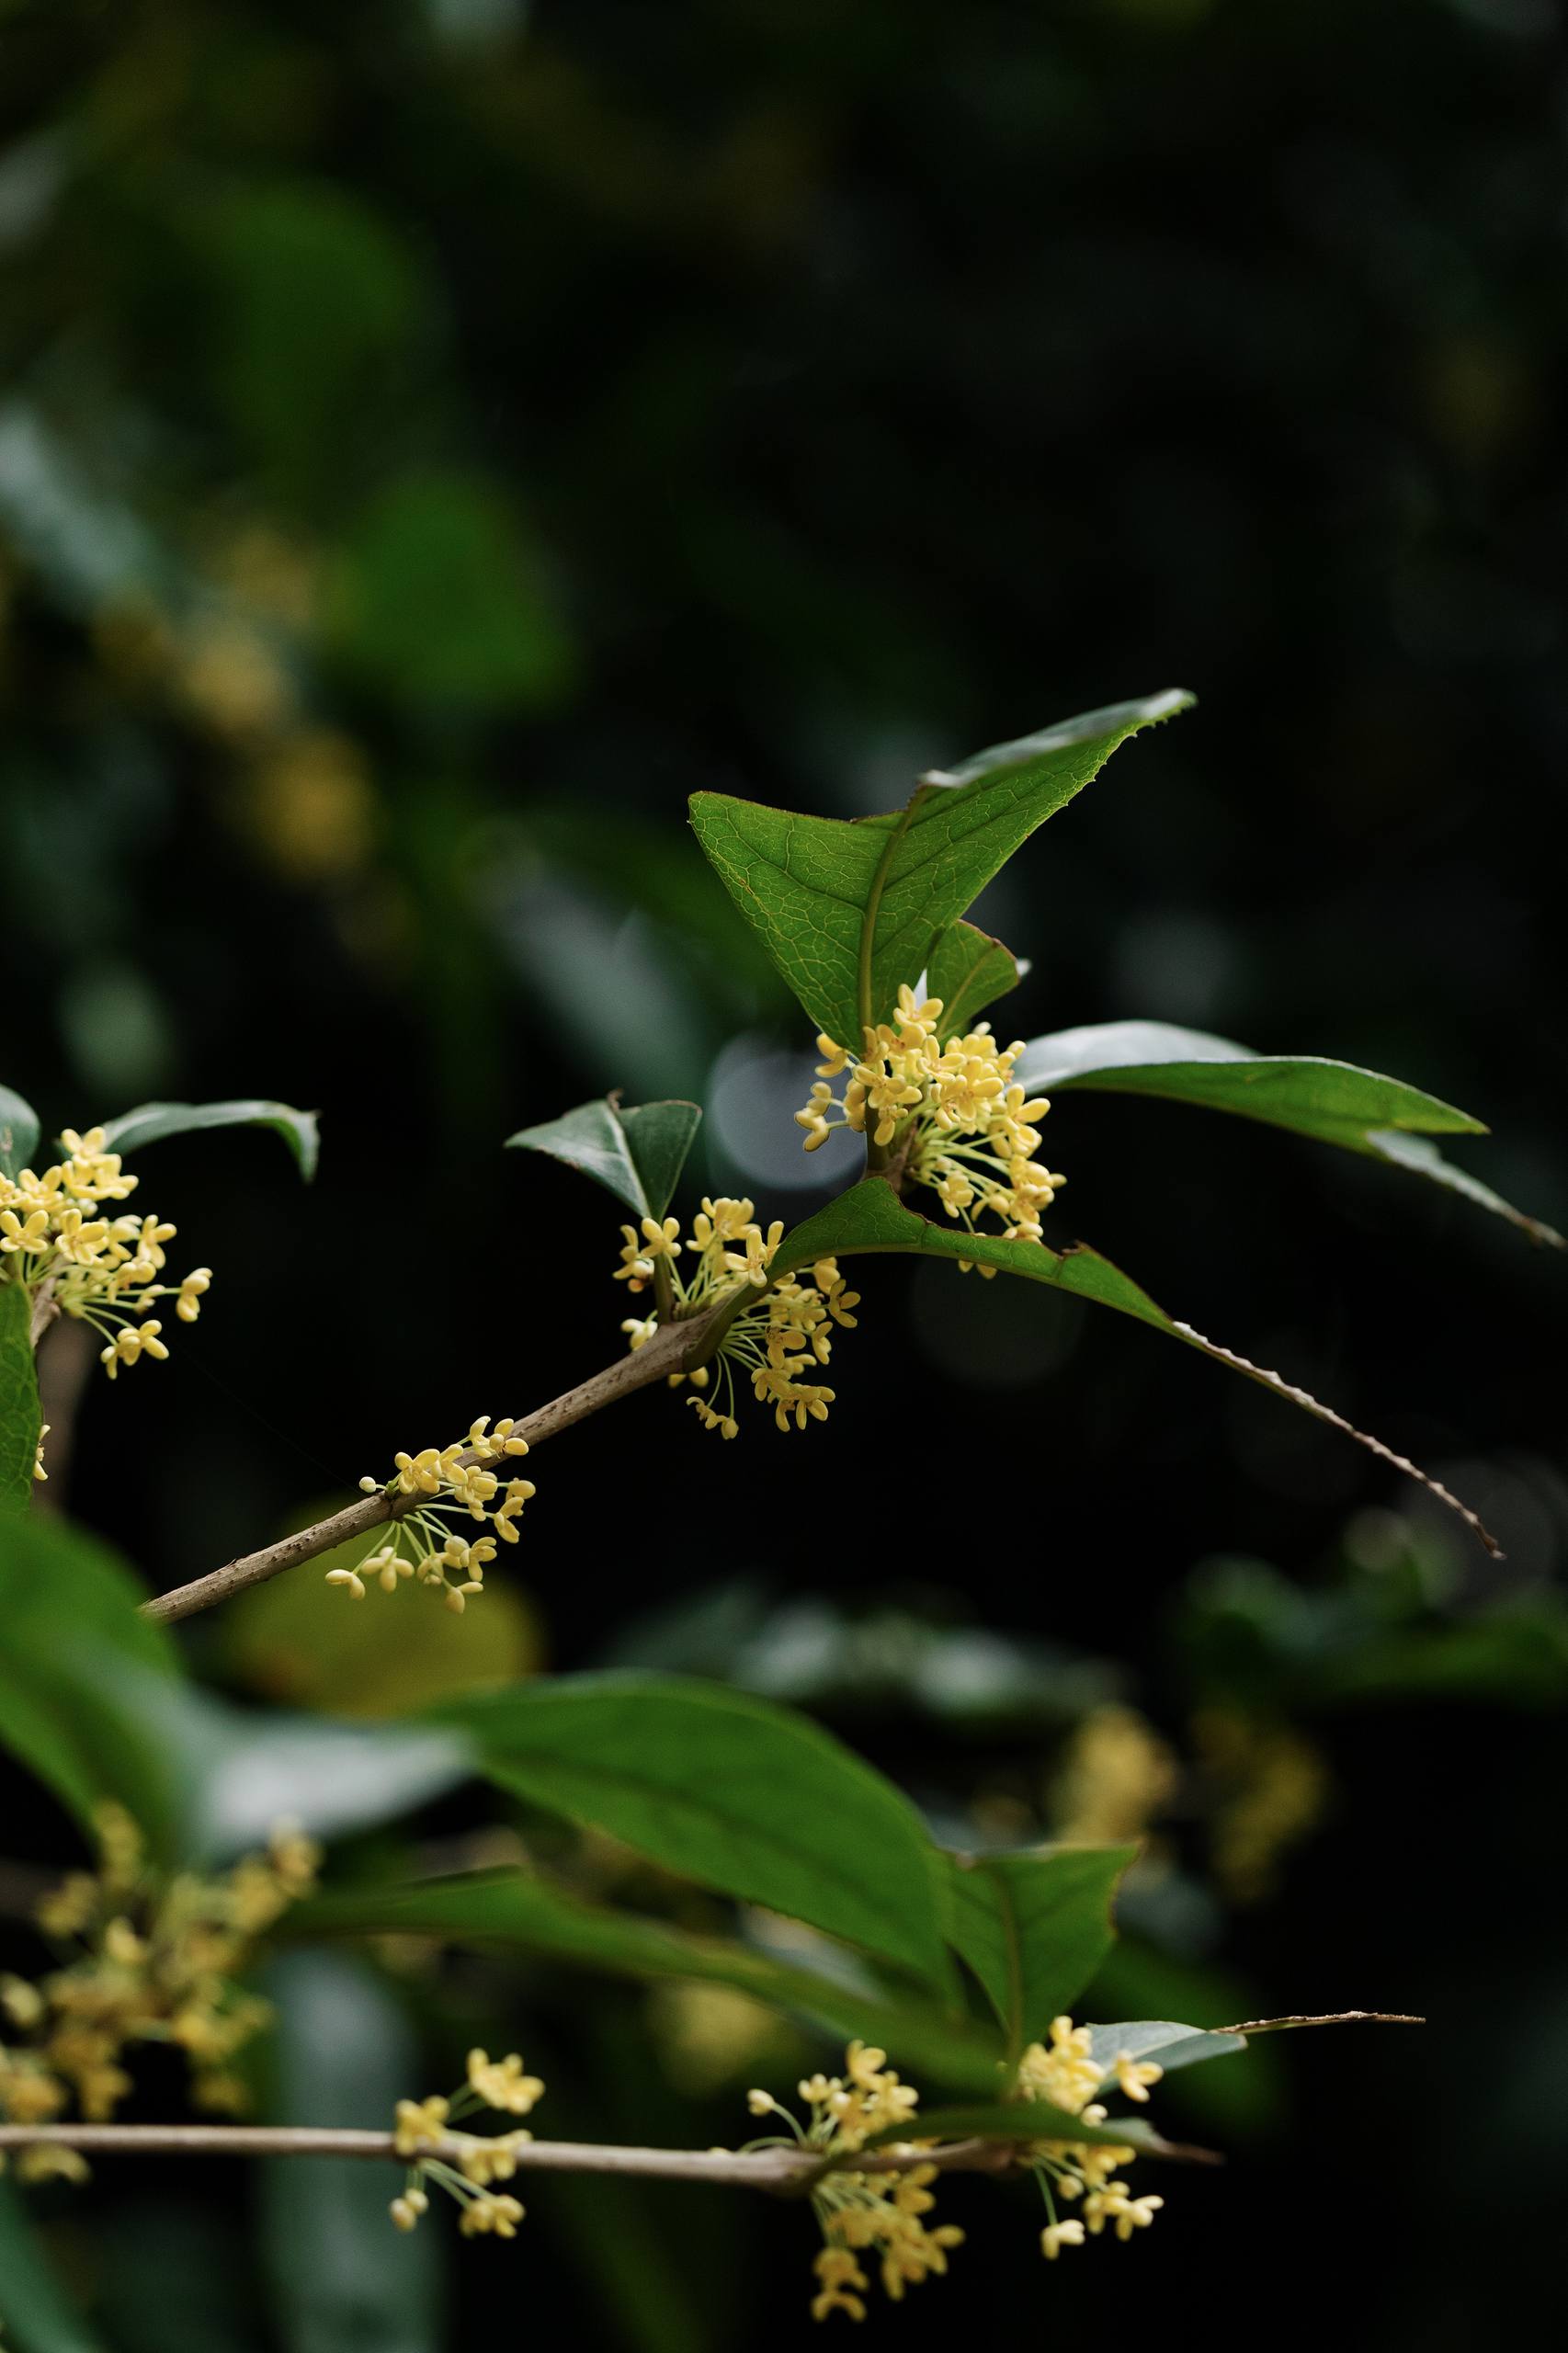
(637, 1154)
(317, 300)
(19, 1133)
(1034, 1929)
(1333, 1101)
(969, 970)
(73, 1647)
(19, 1417)
(34, 2311)
(849, 910)
(871, 1218)
(510, 1908)
(150, 1122)
(726, 1789)
(343, 2279)
(439, 597)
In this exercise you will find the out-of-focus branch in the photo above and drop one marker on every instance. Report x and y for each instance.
(781, 2171)
(672, 1348)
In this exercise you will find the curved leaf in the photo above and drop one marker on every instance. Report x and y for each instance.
(19, 1133)
(849, 909)
(1335, 1102)
(1034, 1929)
(637, 1154)
(729, 1791)
(969, 971)
(19, 1417)
(151, 1122)
(871, 1218)
(513, 1909)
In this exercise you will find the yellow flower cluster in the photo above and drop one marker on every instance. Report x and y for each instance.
(859, 2212)
(1065, 2073)
(775, 1343)
(469, 2163)
(103, 1270)
(452, 1482)
(953, 1113)
(143, 1960)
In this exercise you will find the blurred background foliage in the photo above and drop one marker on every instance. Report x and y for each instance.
(438, 434)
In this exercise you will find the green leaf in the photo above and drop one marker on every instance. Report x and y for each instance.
(1335, 1102)
(1034, 1929)
(150, 1122)
(1173, 2046)
(729, 1791)
(969, 971)
(34, 2311)
(849, 910)
(19, 1417)
(340, 2275)
(871, 1218)
(19, 1133)
(637, 1154)
(72, 1645)
(509, 1908)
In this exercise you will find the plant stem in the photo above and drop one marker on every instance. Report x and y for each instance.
(781, 2171)
(672, 1348)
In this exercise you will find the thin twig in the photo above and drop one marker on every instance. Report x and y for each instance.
(1333, 2017)
(780, 2171)
(672, 1348)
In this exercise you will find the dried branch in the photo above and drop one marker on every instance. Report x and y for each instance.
(673, 1348)
(1333, 2017)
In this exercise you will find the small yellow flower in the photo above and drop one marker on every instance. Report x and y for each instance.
(502, 2084)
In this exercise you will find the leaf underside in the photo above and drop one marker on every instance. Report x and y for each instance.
(1334, 1102)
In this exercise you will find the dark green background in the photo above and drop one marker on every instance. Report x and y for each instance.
(781, 397)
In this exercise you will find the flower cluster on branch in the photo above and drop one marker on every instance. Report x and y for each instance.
(469, 2163)
(453, 1483)
(103, 1270)
(782, 1331)
(953, 1113)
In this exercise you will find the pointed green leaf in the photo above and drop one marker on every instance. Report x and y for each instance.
(1034, 1927)
(19, 1417)
(637, 1154)
(871, 1218)
(730, 1790)
(849, 909)
(512, 1908)
(659, 1136)
(969, 971)
(19, 1133)
(1333, 1101)
(150, 1122)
